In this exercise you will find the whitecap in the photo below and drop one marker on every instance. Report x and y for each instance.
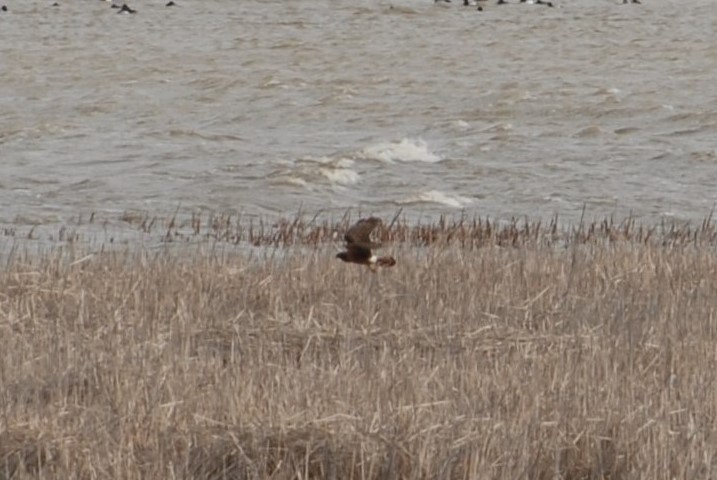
(407, 150)
(343, 163)
(307, 171)
(340, 162)
(340, 176)
(436, 196)
(286, 177)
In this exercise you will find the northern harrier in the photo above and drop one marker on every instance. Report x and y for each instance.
(359, 245)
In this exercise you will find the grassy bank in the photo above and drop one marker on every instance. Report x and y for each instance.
(498, 358)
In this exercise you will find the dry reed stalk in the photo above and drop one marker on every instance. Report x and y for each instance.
(596, 361)
(469, 233)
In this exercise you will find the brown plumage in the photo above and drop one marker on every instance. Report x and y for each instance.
(359, 245)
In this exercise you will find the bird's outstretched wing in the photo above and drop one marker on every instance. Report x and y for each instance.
(359, 235)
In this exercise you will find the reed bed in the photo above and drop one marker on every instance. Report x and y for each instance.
(467, 232)
(468, 360)
(313, 231)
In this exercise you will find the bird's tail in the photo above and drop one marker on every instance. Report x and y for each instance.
(385, 261)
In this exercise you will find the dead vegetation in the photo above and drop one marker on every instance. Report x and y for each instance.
(312, 231)
(471, 359)
(467, 232)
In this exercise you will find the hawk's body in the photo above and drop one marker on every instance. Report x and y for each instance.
(359, 245)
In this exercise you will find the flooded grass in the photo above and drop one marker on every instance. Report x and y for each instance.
(485, 353)
(321, 228)
(468, 232)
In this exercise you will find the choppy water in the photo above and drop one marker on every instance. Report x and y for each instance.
(264, 107)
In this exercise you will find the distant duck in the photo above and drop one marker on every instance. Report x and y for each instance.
(501, 2)
(55, 4)
(470, 3)
(441, 1)
(126, 9)
(171, 4)
(633, 1)
(480, 9)
(543, 2)
(4, 8)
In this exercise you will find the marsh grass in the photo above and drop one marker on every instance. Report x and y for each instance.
(463, 230)
(501, 360)
(137, 228)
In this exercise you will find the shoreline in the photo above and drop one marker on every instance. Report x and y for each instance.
(142, 230)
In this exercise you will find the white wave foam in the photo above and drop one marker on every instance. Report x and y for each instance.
(337, 170)
(286, 177)
(436, 196)
(340, 176)
(407, 150)
(307, 171)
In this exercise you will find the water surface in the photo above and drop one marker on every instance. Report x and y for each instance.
(265, 108)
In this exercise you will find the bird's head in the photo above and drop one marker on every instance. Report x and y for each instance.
(342, 256)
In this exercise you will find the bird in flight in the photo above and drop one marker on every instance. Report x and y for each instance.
(359, 245)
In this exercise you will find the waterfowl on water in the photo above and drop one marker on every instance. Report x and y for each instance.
(126, 9)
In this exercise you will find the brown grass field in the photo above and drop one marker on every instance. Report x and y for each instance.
(511, 352)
